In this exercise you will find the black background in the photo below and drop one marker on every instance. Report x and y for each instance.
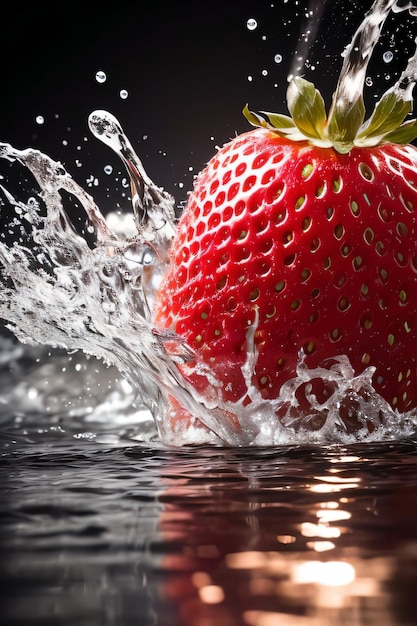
(185, 66)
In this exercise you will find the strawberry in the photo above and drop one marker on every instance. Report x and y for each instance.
(302, 231)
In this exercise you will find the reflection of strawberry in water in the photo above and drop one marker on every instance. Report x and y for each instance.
(240, 531)
(303, 230)
(212, 517)
(195, 572)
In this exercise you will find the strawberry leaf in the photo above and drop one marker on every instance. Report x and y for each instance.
(344, 124)
(274, 121)
(307, 109)
(404, 134)
(388, 115)
(255, 119)
(280, 122)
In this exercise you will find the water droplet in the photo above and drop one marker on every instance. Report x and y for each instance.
(388, 56)
(368, 81)
(278, 58)
(250, 78)
(39, 119)
(101, 76)
(251, 23)
(264, 72)
(92, 181)
(124, 94)
(108, 169)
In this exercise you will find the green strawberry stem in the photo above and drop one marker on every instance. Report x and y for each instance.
(344, 126)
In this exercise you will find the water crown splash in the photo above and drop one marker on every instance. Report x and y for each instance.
(96, 293)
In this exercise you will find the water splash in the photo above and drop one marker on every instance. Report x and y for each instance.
(358, 55)
(58, 289)
(313, 16)
(91, 289)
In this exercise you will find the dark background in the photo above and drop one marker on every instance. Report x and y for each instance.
(185, 66)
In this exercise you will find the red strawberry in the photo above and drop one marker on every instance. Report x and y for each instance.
(305, 228)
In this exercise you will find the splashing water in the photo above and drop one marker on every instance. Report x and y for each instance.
(353, 73)
(92, 289)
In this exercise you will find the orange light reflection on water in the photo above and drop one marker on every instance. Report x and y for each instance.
(317, 573)
(325, 592)
(318, 590)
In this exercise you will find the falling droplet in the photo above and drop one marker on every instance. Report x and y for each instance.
(101, 76)
(251, 24)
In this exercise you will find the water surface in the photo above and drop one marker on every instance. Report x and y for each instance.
(143, 534)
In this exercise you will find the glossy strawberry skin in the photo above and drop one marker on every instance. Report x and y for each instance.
(320, 247)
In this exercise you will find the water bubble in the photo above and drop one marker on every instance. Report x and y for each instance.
(124, 94)
(251, 24)
(368, 81)
(278, 58)
(108, 169)
(101, 76)
(264, 72)
(388, 56)
(39, 119)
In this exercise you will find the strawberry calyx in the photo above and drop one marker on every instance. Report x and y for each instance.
(344, 128)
